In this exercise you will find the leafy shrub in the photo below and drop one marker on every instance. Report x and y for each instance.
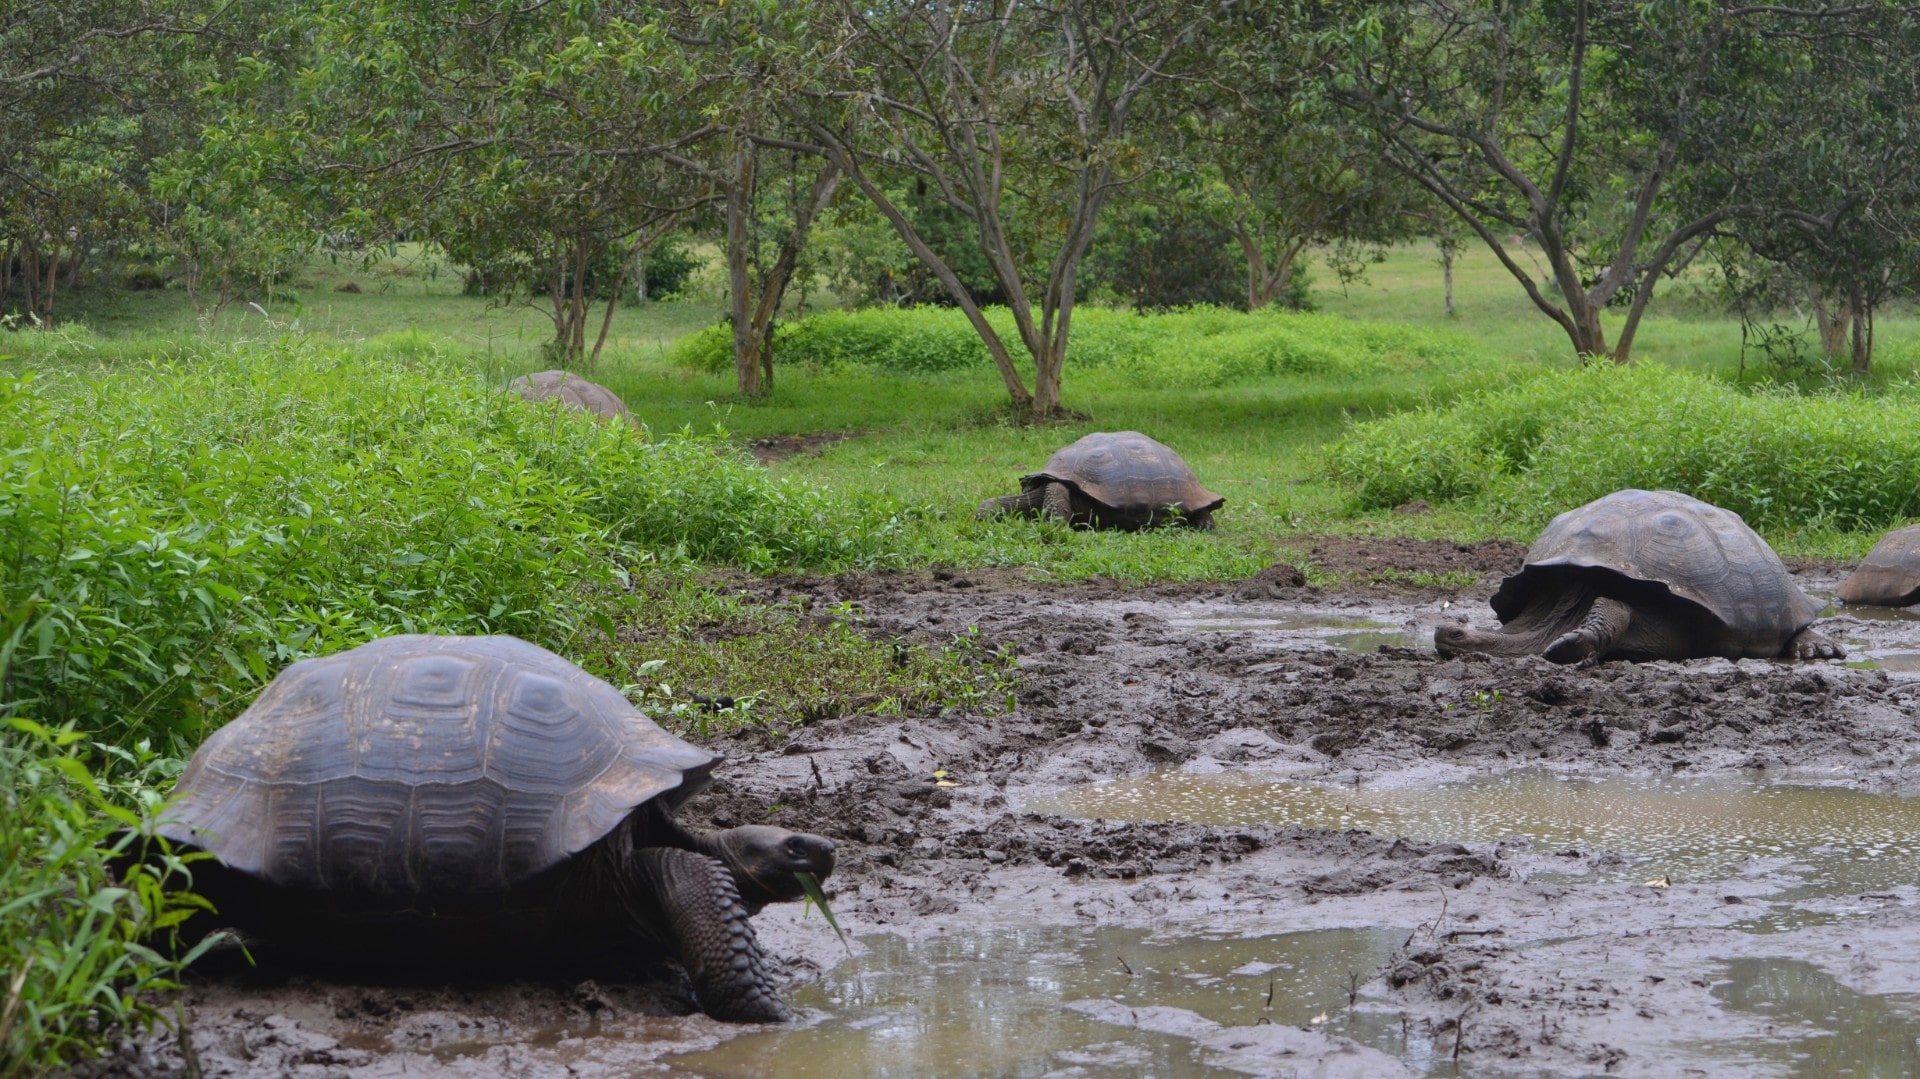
(1779, 459)
(174, 533)
(71, 928)
(1201, 346)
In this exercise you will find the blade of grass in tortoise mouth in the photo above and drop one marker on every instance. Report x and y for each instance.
(811, 885)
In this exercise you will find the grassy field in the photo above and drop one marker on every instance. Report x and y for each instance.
(938, 443)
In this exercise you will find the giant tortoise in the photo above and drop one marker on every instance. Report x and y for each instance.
(1647, 575)
(445, 801)
(1890, 576)
(572, 391)
(1118, 479)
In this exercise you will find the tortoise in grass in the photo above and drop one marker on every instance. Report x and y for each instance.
(1647, 575)
(1112, 479)
(570, 390)
(1890, 576)
(451, 802)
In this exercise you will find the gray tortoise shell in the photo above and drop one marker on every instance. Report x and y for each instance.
(1698, 551)
(1126, 470)
(422, 766)
(571, 390)
(1890, 574)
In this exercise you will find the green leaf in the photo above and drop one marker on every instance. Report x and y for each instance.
(818, 898)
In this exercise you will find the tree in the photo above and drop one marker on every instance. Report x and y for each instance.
(1017, 116)
(528, 140)
(1576, 126)
(85, 86)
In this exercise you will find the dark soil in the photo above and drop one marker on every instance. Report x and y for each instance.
(1117, 682)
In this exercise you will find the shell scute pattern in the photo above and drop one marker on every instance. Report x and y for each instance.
(1695, 550)
(419, 766)
(1890, 574)
(1126, 469)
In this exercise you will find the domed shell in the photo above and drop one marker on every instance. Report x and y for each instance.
(571, 390)
(421, 766)
(1696, 551)
(1890, 575)
(1126, 470)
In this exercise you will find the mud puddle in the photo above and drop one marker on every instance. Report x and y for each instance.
(1034, 1001)
(1821, 846)
(1294, 627)
(1846, 1033)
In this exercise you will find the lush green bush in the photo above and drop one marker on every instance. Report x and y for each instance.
(1201, 346)
(1841, 460)
(73, 965)
(174, 532)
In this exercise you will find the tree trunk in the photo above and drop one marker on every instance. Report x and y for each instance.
(1834, 316)
(1446, 278)
(1862, 335)
(746, 346)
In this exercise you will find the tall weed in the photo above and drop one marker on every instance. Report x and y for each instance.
(73, 965)
(1838, 460)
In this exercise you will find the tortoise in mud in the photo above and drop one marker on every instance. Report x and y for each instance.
(1890, 576)
(1647, 575)
(1120, 479)
(445, 801)
(572, 391)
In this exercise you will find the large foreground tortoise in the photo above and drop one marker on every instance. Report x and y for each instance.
(1890, 576)
(1118, 479)
(458, 801)
(572, 391)
(1647, 575)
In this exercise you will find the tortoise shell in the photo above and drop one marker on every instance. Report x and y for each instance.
(1670, 542)
(571, 390)
(1890, 575)
(1127, 471)
(420, 766)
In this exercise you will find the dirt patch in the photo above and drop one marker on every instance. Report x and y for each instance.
(780, 447)
(931, 814)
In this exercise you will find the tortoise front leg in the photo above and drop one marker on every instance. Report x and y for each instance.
(1809, 644)
(707, 924)
(1021, 504)
(1057, 501)
(1606, 622)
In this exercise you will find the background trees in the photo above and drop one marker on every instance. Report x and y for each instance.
(1013, 154)
(1613, 137)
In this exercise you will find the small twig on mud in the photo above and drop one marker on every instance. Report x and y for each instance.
(1460, 1032)
(1269, 1006)
(818, 783)
(1455, 934)
(1123, 966)
(1433, 928)
(1353, 988)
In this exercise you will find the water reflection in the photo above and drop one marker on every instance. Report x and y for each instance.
(1688, 828)
(994, 1003)
(1850, 1033)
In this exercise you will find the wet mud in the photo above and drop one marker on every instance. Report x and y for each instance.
(1000, 891)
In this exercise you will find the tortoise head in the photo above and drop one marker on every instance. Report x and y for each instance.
(764, 860)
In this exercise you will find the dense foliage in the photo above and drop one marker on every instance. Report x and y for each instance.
(1201, 346)
(1779, 459)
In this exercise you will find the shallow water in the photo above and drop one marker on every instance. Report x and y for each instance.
(1300, 627)
(1687, 829)
(997, 1002)
(1849, 1033)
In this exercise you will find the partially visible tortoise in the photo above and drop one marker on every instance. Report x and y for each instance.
(1119, 479)
(1647, 575)
(571, 390)
(1890, 576)
(459, 801)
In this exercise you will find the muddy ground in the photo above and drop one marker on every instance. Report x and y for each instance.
(1504, 973)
